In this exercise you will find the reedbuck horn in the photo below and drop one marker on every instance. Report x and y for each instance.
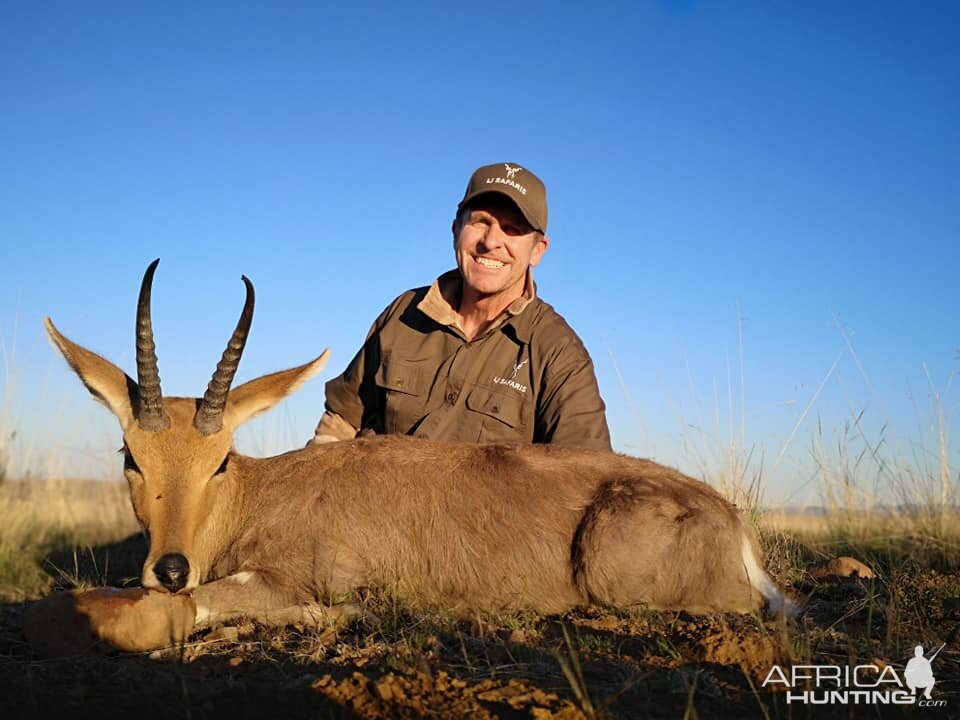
(150, 415)
(209, 417)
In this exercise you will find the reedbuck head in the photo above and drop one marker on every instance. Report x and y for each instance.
(177, 451)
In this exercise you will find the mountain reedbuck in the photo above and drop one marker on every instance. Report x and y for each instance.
(488, 527)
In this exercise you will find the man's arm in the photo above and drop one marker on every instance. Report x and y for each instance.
(352, 396)
(570, 410)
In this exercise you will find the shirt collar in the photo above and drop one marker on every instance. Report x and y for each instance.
(443, 296)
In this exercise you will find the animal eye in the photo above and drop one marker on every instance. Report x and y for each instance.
(128, 462)
(223, 466)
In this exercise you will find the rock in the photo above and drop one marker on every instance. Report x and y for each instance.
(517, 637)
(384, 689)
(843, 566)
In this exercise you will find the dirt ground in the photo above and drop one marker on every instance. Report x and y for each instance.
(590, 663)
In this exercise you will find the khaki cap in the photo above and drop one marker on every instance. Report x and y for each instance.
(524, 188)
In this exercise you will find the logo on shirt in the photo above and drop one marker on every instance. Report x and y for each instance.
(511, 382)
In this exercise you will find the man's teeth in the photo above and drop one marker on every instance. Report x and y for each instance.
(487, 262)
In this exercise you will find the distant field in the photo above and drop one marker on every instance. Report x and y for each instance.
(590, 663)
(39, 519)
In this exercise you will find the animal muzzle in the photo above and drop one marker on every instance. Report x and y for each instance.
(173, 571)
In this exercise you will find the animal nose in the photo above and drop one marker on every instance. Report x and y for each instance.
(172, 571)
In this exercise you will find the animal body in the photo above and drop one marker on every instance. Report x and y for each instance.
(485, 527)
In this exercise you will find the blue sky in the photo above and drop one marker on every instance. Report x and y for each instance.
(747, 200)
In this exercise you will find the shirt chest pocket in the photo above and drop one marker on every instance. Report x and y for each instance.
(405, 383)
(501, 415)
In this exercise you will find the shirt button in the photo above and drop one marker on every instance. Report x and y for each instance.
(452, 397)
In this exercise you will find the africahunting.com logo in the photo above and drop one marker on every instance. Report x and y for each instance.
(870, 684)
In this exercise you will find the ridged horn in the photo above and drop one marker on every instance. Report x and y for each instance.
(150, 415)
(209, 417)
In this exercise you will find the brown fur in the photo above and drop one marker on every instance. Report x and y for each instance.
(465, 526)
(79, 621)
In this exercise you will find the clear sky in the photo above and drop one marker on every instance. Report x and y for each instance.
(748, 201)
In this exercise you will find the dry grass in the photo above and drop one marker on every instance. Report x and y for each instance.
(40, 517)
(933, 540)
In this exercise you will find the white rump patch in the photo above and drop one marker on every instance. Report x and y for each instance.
(761, 582)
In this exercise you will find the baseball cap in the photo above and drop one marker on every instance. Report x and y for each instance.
(525, 189)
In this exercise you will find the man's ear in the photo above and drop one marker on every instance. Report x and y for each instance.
(539, 248)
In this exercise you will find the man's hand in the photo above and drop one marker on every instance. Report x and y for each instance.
(332, 428)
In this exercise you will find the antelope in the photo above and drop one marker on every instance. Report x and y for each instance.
(467, 527)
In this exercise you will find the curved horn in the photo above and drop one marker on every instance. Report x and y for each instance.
(209, 417)
(150, 415)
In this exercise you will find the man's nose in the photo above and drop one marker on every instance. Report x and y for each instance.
(494, 236)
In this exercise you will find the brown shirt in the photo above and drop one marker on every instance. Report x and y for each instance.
(526, 378)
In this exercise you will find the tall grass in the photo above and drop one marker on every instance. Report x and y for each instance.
(7, 433)
(852, 470)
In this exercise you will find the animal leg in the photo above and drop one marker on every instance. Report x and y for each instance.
(316, 615)
(247, 594)
(131, 619)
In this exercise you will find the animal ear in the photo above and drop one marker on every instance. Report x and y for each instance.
(257, 396)
(105, 381)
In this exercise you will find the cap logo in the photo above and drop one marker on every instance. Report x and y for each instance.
(518, 183)
(508, 180)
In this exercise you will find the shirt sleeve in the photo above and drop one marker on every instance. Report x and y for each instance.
(353, 395)
(570, 410)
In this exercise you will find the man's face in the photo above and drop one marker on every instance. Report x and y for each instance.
(495, 245)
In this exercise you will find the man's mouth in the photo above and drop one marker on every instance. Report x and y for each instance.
(489, 263)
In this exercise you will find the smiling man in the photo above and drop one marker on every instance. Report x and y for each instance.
(477, 356)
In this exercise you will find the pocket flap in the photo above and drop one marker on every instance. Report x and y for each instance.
(505, 408)
(400, 376)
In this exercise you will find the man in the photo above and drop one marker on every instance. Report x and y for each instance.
(477, 356)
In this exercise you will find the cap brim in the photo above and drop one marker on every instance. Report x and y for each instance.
(527, 215)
